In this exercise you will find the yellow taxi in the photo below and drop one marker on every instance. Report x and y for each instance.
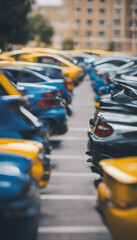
(117, 197)
(69, 69)
(27, 148)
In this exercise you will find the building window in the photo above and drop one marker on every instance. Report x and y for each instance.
(89, 0)
(63, 10)
(76, 43)
(102, 1)
(101, 22)
(135, 11)
(117, 33)
(77, 22)
(117, 22)
(89, 33)
(102, 11)
(89, 10)
(42, 11)
(78, 10)
(118, 2)
(101, 34)
(76, 33)
(117, 10)
(54, 10)
(54, 22)
(101, 46)
(88, 45)
(117, 46)
(89, 22)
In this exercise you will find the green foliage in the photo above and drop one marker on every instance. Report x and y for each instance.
(40, 29)
(68, 44)
(13, 21)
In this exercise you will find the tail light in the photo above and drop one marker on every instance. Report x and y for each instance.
(49, 95)
(47, 103)
(103, 129)
(69, 85)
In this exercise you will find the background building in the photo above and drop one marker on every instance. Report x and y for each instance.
(93, 23)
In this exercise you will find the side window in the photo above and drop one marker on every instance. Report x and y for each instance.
(52, 61)
(47, 60)
(12, 75)
(2, 91)
(134, 74)
(53, 73)
(29, 78)
(117, 62)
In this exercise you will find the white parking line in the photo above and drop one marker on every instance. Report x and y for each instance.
(67, 197)
(72, 229)
(64, 157)
(79, 129)
(73, 174)
(68, 138)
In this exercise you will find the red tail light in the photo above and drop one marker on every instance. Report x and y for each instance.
(47, 103)
(103, 129)
(49, 95)
(69, 85)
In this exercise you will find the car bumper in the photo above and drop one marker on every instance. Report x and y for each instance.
(121, 222)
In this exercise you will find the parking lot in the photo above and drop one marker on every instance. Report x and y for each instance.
(68, 209)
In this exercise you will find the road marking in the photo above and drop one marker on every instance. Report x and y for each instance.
(73, 157)
(72, 229)
(79, 129)
(67, 197)
(67, 138)
(73, 174)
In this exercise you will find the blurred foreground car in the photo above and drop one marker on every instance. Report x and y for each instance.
(19, 198)
(32, 150)
(117, 197)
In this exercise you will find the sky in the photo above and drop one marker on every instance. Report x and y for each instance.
(48, 2)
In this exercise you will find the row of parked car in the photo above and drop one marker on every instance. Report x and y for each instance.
(112, 144)
(36, 91)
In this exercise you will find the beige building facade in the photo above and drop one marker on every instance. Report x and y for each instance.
(99, 24)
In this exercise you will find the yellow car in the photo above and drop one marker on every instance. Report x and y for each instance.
(6, 58)
(14, 55)
(31, 149)
(73, 72)
(8, 87)
(117, 197)
(11, 90)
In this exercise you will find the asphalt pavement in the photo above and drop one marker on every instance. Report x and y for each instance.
(68, 210)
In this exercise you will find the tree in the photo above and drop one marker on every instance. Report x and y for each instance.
(13, 21)
(68, 44)
(40, 29)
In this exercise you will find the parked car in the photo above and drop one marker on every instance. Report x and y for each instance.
(33, 150)
(25, 75)
(117, 197)
(19, 198)
(45, 103)
(114, 127)
(71, 70)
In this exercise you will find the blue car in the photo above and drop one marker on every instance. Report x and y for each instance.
(46, 104)
(25, 75)
(19, 198)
